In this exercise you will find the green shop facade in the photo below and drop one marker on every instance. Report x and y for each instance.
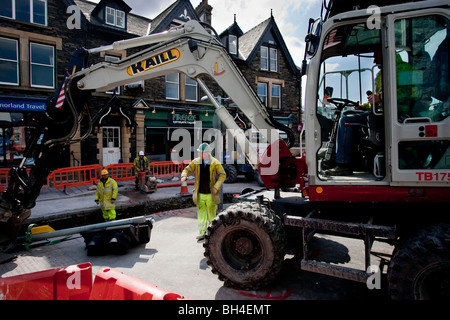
(160, 128)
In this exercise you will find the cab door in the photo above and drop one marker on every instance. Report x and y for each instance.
(419, 98)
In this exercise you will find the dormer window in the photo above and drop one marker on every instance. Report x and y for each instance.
(115, 17)
(232, 44)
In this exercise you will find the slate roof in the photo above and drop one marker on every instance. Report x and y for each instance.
(158, 20)
(176, 10)
(233, 29)
(136, 25)
(251, 41)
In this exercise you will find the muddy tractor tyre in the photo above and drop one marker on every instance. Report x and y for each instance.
(245, 246)
(420, 268)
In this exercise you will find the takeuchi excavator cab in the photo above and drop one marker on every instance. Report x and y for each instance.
(381, 78)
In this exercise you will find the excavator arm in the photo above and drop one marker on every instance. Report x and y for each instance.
(189, 49)
(192, 50)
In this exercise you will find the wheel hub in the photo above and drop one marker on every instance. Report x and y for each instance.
(244, 246)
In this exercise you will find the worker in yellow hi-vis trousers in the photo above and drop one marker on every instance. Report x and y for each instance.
(209, 178)
(106, 195)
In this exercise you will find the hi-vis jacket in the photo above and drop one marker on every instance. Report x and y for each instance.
(107, 192)
(217, 177)
(137, 164)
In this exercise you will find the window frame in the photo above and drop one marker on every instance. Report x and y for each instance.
(233, 49)
(174, 83)
(265, 58)
(114, 13)
(121, 25)
(111, 13)
(31, 16)
(45, 13)
(266, 88)
(268, 55)
(17, 63)
(273, 57)
(191, 85)
(13, 11)
(115, 137)
(53, 66)
(276, 97)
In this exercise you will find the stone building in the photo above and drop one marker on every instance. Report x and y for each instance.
(38, 39)
(264, 59)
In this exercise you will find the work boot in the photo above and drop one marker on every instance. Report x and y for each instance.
(322, 152)
(327, 164)
(339, 171)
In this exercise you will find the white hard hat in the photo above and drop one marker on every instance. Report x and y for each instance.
(204, 147)
(141, 153)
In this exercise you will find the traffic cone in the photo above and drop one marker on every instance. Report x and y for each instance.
(184, 189)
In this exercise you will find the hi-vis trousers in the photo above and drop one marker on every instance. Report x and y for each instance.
(109, 215)
(206, 211)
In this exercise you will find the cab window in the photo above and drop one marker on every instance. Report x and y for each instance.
(422, 65)
(423, 90)
(350, 78)
(348, 70)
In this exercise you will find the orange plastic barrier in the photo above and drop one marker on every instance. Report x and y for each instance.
(121, 171)
(165, 168)
(160, 169)
(76, 176)
(110, 284)
(79, 176)
(68, 283)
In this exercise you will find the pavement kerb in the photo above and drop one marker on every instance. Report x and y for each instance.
(62, 215)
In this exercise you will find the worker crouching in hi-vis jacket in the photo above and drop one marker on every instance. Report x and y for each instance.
(209, 178)
(140, 164)
(106, 195)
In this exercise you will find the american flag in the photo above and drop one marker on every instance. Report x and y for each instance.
(62, 95)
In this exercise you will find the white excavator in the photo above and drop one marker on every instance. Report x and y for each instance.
(394, 187)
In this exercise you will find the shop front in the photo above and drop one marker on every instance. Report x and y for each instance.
(173, 133)
(18, 116)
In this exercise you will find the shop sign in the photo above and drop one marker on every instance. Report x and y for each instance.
(181, 119)
(21, 104)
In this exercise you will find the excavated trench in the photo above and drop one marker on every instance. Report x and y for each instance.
(135, 209)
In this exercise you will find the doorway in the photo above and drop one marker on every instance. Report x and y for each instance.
(111, 145)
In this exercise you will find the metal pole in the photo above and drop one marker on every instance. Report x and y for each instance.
(69, 231)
